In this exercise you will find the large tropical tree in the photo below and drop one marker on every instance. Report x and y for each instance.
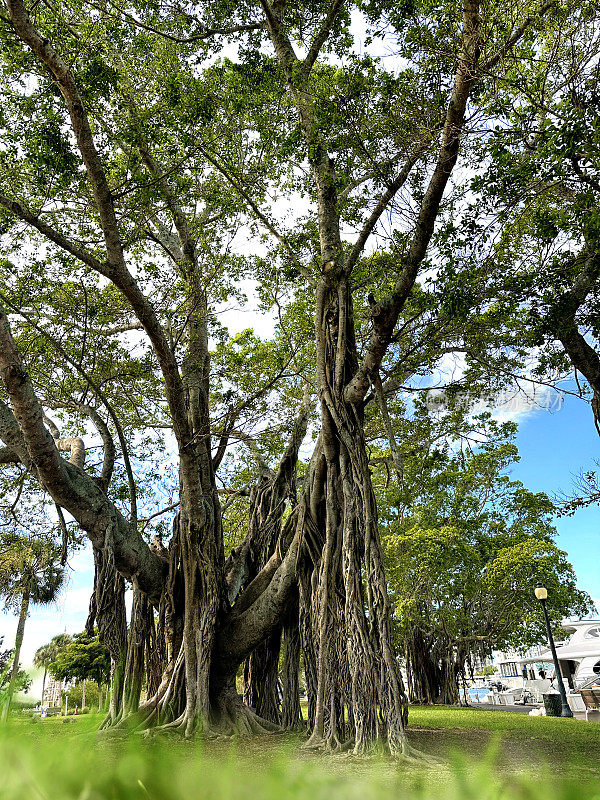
(463, 556)
(133, 158)
(47, 654)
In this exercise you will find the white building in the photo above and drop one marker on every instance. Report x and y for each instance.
(52, 692)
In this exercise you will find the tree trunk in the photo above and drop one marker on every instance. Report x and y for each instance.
(422, 670)
(449, 694)
(107, 609)
(261, 679)
(356, 667)
(18, 642)
(136, 650)
(291, 712)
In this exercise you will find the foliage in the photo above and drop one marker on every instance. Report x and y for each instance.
(47, 653)
(29, 565)
(30, 572)
(169, 127)
(75, 695)
(488, 670)
(6, 661)
(83, 658)
(464, 554)
(521, 249)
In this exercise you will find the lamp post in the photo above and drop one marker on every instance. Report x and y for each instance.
(542, 593)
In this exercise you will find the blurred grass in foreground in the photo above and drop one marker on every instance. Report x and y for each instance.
(57, 760)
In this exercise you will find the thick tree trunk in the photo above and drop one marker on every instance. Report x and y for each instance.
(356, 669)
(449, 694)
(422, 670)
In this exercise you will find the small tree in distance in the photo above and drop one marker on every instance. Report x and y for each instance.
(48, 653)
(30, 572)
(84, 658)
(462, 561)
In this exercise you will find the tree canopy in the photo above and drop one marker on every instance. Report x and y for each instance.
(83, 658)
(328, 160)
(463, 560)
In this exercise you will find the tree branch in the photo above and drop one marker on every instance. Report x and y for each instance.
(115, 268)
(22, 212)
(101, 396)
(385, 314)
(322, 35)
(207, 33)
(542, 10)
(393, 188)
(24, 431)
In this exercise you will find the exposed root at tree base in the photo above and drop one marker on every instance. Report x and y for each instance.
(411, 754)
(401, 750)
(233, 721)
(328, 744)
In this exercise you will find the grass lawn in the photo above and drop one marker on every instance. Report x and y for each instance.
(481, 755)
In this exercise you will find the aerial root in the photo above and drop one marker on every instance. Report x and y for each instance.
(334, 746)
(415, 756)
(243, 721)
(178, 725)
(237, 721)
(314, 742)
(329, 744)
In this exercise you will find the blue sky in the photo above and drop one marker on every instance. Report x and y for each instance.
(554, 446)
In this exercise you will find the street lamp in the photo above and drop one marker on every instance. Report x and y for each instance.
(542, 593)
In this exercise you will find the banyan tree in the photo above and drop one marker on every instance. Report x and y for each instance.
(141, 144)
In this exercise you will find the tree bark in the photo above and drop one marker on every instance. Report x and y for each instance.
(18, 643)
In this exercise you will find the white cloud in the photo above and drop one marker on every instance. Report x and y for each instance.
(509, 405)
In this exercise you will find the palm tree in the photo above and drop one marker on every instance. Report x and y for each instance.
(30, 572)
(47, 653)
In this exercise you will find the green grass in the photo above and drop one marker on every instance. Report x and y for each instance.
(542, 745)
(484, 755)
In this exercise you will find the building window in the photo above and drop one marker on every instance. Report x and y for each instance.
(509, 670)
